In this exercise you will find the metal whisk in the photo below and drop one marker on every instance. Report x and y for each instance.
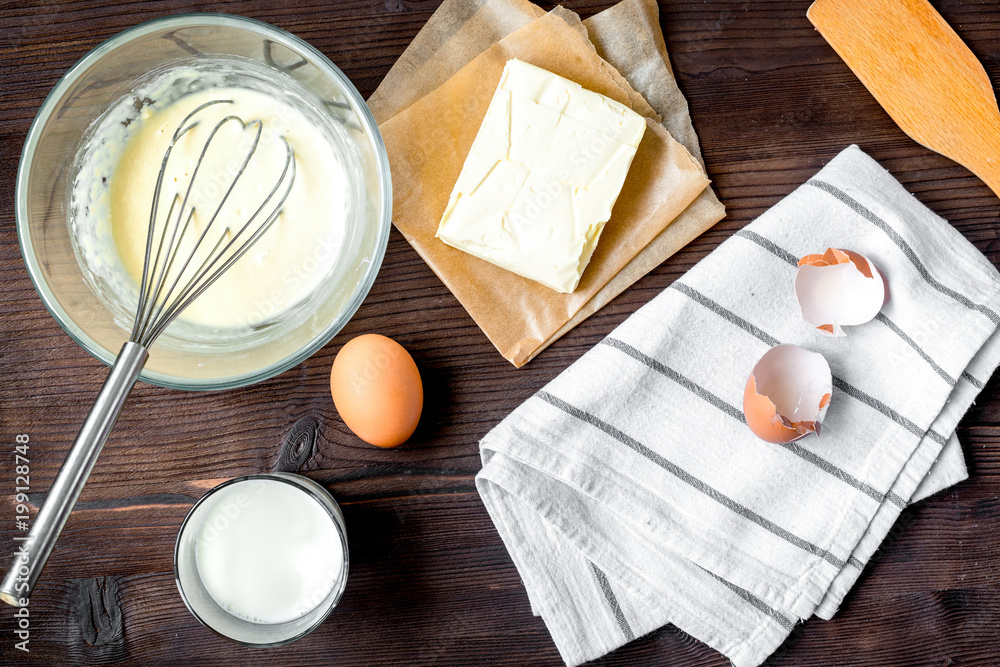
(171, 280)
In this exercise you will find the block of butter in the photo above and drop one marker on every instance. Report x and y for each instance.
(542, 176)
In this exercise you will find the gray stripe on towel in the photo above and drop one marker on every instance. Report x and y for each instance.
(901, 243)
(726, 314)
(912, 343)
(975, 383)
(693, 387)
(690, 479)
(937, 437)
(879, 406)
(754, 601)
(769, 245)
(616, 609)
(843, 475)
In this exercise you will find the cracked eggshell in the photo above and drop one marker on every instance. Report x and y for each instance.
(838, 288)
(787, 394)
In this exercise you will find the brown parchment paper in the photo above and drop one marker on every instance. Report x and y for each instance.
(427, 145)
(627, 35)
(455, 34)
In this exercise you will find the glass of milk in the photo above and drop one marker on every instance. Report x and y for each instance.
(262, 559)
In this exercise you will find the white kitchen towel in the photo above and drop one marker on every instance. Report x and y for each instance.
(630, 492)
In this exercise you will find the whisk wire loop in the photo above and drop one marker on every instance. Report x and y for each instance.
(179, 231)
(160, 300)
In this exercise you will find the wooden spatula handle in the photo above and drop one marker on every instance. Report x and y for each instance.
(922, 73)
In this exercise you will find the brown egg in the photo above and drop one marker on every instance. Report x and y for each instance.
(377, 390)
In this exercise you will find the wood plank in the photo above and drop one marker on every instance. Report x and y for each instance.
(431, 583)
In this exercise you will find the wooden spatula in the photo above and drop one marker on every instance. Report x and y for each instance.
(922, 73)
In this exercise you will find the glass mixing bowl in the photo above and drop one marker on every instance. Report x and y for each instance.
(111, 72)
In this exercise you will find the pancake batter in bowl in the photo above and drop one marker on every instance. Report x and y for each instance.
(271, 277)
(296, 264)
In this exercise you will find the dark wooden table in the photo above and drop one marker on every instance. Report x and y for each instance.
(430, 581)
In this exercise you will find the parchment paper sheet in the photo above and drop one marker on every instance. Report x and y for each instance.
(455, 34)
(520, 317)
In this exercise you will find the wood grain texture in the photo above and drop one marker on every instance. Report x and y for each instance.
(431, 583)
(922, 73)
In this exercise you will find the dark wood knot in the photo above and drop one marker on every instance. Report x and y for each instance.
(298, 445)
(98, 614)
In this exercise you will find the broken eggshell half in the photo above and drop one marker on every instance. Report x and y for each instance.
(838, 288)
(787, 394)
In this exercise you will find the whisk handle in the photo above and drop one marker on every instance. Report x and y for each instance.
(31, 555)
